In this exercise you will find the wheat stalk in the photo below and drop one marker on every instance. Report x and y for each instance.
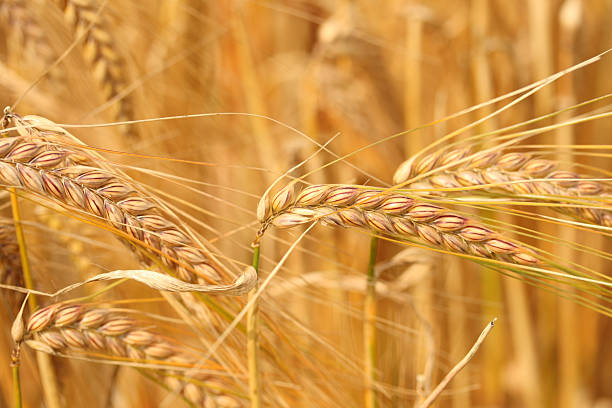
(369, 329)
(390, 213)
(47, 372)
(78, 329)
(515, 172)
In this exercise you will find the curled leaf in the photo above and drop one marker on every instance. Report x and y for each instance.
(242, 285)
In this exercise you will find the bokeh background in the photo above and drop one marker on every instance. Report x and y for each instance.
(358, 72)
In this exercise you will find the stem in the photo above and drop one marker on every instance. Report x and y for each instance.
(570, 19)
(45, 366)
(252, 341)
(458, 367)
(16, 384)
(369, 328)
(23, 253)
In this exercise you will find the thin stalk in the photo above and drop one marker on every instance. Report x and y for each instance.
(252, 341)
(540, 17)
(369, 328)
(457, 325)
(570, 20)
(45, 366)
(490, 283)
(458, 367)
(16, 386)
(23, 253)
(413, 89)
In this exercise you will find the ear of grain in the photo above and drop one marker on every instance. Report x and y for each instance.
(516, 173)
(101, 52)
(396, 214)
(27, 37)
(83, 330)
(39, 163)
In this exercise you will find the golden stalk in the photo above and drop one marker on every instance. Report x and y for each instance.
(369, 328)
(252, 327)
(458, 367)
(45, 365)
(570, 17)
(48, 377)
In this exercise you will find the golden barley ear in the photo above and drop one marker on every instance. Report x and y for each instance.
(47, 161)
(39, 162)
(518, 173)
(396, 214)
(106, 333)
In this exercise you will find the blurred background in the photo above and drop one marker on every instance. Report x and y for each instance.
(358, 72)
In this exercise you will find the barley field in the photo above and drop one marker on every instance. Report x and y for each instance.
(306, 203)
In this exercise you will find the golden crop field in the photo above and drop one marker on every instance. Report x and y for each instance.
(306, 203)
